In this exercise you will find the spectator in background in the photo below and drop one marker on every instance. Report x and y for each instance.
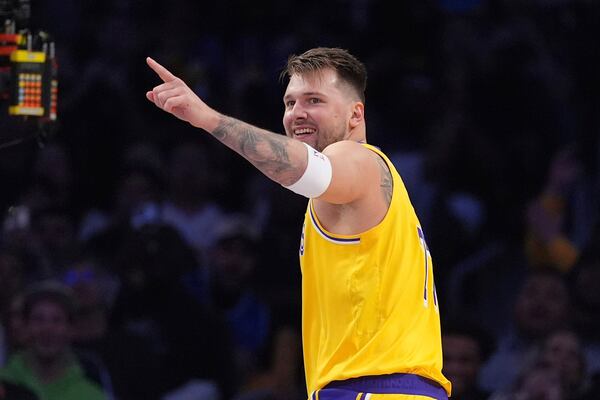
(134, 202)
(189, 206)
(52, 180)
(454, 218)
(93, 290)
(118, 361)
(466, 348)
(556, 372)
(538, 381)
(561, 219)
(563, 351)
(183, 341)
(57, 245)
(542, 305)
(44, 238)
(140, 183)
(47, 365)
(226, 284)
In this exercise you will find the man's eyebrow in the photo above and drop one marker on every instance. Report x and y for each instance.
(304, 94)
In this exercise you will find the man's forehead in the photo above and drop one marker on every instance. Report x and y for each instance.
(313, 82)
(320, 77)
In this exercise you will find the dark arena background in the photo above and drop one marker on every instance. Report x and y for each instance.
(181, 261)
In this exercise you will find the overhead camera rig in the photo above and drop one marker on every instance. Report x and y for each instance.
(28, 71)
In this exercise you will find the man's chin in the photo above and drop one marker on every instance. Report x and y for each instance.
(309, 139)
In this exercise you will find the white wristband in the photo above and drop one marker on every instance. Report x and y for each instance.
(317, 176)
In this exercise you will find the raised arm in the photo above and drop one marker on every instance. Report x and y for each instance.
(280, 158)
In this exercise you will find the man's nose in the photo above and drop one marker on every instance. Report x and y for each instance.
(299, 112)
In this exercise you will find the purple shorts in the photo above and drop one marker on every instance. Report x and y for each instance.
(381, 384)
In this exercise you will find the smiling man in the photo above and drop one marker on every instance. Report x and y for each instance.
(370, 318)
(48, 366)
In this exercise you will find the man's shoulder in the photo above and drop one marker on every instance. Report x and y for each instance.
(350, 149)
(351, 145)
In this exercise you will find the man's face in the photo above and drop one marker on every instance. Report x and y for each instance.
(462, 360)
(542, 305)
(234, 261)
(562, 350)
(318, 108)
(49, 330)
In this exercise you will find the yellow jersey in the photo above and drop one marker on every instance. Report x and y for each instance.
(369, 305)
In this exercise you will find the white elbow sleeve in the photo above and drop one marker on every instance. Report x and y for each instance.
(317, 176)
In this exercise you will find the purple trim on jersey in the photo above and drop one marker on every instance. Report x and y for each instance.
(392, 384)
(337, 394)
(329, 237)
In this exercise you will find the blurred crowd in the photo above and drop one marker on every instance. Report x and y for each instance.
(141, 259)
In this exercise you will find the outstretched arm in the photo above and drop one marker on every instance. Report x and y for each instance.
(280, 158)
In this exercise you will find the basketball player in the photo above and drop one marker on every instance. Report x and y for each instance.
(370, 318)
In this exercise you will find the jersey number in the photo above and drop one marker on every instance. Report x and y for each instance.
(427, 257)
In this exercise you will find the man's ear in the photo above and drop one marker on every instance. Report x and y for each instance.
(358, 114)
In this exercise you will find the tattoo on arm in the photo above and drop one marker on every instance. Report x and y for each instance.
(386, 183)
(267, 151)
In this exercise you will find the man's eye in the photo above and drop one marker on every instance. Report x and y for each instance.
(289, 103)
(314, 100)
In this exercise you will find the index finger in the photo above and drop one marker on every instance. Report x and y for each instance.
(161, 71)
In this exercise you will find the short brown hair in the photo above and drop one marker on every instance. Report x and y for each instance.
(347, 66)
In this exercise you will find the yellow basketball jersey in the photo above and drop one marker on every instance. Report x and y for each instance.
(368, 301)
